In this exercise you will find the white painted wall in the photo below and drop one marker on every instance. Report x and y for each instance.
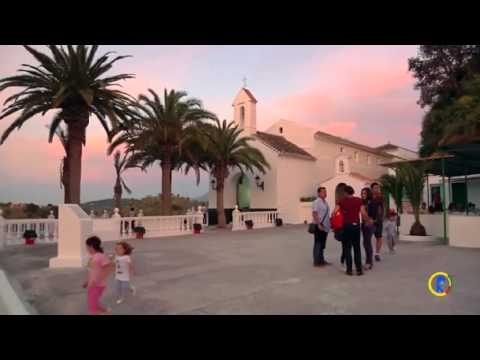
(464, 231)
(305, 212)
(296, 133)
(295, 179)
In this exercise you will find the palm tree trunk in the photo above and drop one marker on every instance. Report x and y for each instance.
(117, 194)
(220, 207)
(166, 187)
(76, 139)
(65, 179)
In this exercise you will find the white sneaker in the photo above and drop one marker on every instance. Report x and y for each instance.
(119, 301)
(133, 290)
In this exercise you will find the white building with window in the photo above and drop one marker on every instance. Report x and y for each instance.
(301, 159)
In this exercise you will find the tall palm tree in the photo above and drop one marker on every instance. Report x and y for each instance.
(413, 179)
(226, 148)
(63, 137)
(69, 80)
(162, 130)
(121, 164)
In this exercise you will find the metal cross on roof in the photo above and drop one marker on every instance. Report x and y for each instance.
(244, 81)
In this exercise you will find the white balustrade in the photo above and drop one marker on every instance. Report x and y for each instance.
(156, 226)
(13, 229)
(260, 219)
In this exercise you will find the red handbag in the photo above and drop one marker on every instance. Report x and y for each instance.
(336, 221)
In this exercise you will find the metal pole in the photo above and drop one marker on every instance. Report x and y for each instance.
(466, 191)
(443, 203)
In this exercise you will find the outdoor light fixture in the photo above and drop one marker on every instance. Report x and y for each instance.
(260, 184)
(214, 187)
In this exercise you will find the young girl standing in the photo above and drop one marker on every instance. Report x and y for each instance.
(390, 230)
(99, 267)
(124, 270)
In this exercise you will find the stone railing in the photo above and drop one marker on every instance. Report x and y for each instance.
(11, 230)
(260, 219)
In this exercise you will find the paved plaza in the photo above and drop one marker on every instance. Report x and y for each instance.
(265, 271)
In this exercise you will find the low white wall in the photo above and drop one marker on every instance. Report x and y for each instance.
(433, 223)
(464, 231)
(304, 212)
(9, 299)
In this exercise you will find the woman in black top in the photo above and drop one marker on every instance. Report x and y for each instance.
(339, 195)
(368, 229)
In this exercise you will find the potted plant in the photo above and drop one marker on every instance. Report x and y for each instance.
(30, 236)
(249, 224)
(197, 228)
(139, 231)
(278, 222)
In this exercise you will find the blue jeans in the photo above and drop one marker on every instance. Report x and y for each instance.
(367, 232)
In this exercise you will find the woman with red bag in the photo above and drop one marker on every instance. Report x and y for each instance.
(337, 217)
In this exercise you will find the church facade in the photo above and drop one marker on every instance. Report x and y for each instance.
(301, 159)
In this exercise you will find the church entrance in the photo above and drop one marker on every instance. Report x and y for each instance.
(243, 192)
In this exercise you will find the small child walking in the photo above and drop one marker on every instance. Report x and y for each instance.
(124, 270)
(99, 268)
(390, 227)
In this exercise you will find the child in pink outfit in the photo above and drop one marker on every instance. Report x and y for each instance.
(99, 267)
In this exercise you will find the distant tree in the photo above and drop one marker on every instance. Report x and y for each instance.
(120, 164)
(447, 76)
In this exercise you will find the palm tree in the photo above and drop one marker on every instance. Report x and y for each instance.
(63, 137)
(226, 148)
(70, 80)
(413, 179)
(121, 163)
(393, 186)
(164, 131)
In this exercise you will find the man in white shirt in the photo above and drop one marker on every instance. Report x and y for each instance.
(321, 217)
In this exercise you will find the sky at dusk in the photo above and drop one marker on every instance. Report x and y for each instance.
(364, 93)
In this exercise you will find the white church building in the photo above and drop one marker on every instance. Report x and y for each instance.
(301, 159)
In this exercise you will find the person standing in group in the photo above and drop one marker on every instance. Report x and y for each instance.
(132, 214)
(351, 206)
(339, 195)
(99, 268)
(377, 214)
(368, 228)
(391, 230)
(123, 270)
(321, 217)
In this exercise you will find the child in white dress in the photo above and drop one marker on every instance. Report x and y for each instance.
(123, 270)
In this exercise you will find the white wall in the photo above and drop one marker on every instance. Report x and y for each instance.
(296, 178)
(305, 212)
(464, 231)
(299, 135)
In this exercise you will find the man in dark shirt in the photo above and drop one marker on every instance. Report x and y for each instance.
(377, 216)
(352, 206)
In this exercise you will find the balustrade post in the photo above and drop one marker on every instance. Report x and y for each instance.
(50, 226)
(2, 230)
(117, 221)
(236, 218)
(199, 217)
(92, 214)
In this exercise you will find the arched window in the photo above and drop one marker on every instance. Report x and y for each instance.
(341, 166)
(242, 116)
(281, 130)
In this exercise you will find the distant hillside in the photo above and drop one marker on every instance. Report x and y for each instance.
(150, 205)
(203, 198)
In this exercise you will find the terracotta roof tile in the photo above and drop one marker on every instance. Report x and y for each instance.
(283, 146)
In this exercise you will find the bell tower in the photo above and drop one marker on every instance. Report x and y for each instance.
(245, 111)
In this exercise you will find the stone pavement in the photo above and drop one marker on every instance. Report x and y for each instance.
(265, 271)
